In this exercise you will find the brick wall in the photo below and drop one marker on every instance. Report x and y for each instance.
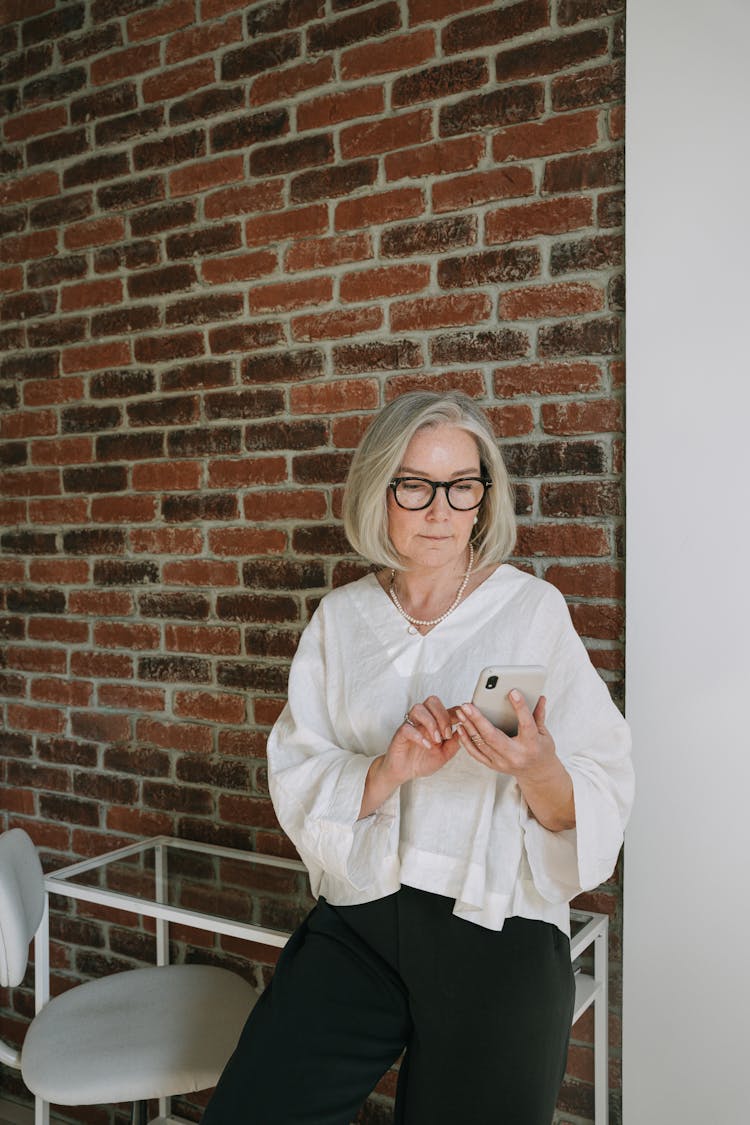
(230, 233)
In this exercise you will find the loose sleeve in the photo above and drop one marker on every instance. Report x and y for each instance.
(317, 785)
(593, 742)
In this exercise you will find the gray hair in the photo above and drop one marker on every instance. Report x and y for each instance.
(380, 453)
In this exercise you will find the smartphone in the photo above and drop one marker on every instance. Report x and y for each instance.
(493, 685)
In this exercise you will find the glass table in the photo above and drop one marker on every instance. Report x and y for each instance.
(244, 895)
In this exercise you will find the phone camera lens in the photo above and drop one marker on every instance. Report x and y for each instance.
(491, 683)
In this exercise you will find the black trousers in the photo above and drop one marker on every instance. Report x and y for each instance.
(484, 1018)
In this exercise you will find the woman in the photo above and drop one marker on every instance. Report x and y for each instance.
(444, 853)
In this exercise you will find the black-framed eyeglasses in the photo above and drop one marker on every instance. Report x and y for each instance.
(415, 493)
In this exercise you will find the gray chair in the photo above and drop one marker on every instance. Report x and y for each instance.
(128, 1037)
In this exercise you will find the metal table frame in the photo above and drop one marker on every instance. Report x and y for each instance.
(591, 989)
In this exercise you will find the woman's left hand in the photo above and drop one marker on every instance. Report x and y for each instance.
(529, 752)
(528, 756)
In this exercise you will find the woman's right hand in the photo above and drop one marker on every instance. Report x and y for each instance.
(420, 747)
(423, 743)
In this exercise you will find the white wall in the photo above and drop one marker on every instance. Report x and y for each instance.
(686, 1021)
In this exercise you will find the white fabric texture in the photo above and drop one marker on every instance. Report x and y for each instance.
(141, 1034)
(466, 831)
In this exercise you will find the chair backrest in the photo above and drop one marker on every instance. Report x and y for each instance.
(21, 903)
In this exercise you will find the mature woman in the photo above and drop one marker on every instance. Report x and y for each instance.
(442, 851)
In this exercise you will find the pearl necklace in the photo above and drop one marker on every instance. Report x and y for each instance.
(414, 621)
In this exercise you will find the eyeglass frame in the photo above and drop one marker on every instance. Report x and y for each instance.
(435, 485)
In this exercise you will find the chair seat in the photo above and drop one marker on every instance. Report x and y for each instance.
(134, 1035)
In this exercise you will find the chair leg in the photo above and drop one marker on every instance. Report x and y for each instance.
(140, 1113)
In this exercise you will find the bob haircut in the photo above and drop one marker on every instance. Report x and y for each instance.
(380, 454)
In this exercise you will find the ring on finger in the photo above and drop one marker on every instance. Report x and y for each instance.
(475, 738)
(407, 719)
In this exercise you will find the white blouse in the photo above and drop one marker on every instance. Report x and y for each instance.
(465, 832)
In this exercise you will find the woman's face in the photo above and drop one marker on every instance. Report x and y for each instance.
(436, 536)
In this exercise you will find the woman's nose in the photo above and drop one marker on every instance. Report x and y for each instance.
(439, 508)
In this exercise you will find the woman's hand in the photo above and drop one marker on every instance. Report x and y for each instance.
(528, 756)
(420, 747)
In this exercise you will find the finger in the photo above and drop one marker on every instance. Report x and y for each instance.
(489, 732)
(422, 717)
(540, 713)
(472, 738)
(414, 736)
(526, 724)
(440, 713)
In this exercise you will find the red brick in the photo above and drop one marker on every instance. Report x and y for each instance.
(239, 267)
(398, 52)
(381, 207)
(22, 247)
(584, 171)
(602, 622)
(96, 357)
(28, 423)
(35, 124)
(157, 23)
(595, 417)
(335, 397)
(300, 221)
(595, 86)
(200, 572)
(179, 80)
(268, 195)
(322, 253)
(561, 133)
(469, 382)
(617, 122)
(121, 64)
(94, 232)
(290, 295)
(37, 186)
(44, 720)
(122, 634)
(512, 224)
(511, 421)
(11, 280)
(44, 392)
(561, 540)
(330, 109)
(247, 472)
(439, 312)
(194, 178)
(386, 135)
(246, 541)
(44, 482)
(481, 187)
(170, 475)
(587, 580)
(438, 159)
(64, 451)
(285, 504)
(386, 281)
(335, 325)
(213, 640)
(68, 693)
(36, 659)
(91, 294)
(174, 736)
(537, 301)
(278, 87)
(167, 541)
(100, 603)
(219, 707)
(61, 510)
(123, 509)
(546, 378)
(62, 571)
